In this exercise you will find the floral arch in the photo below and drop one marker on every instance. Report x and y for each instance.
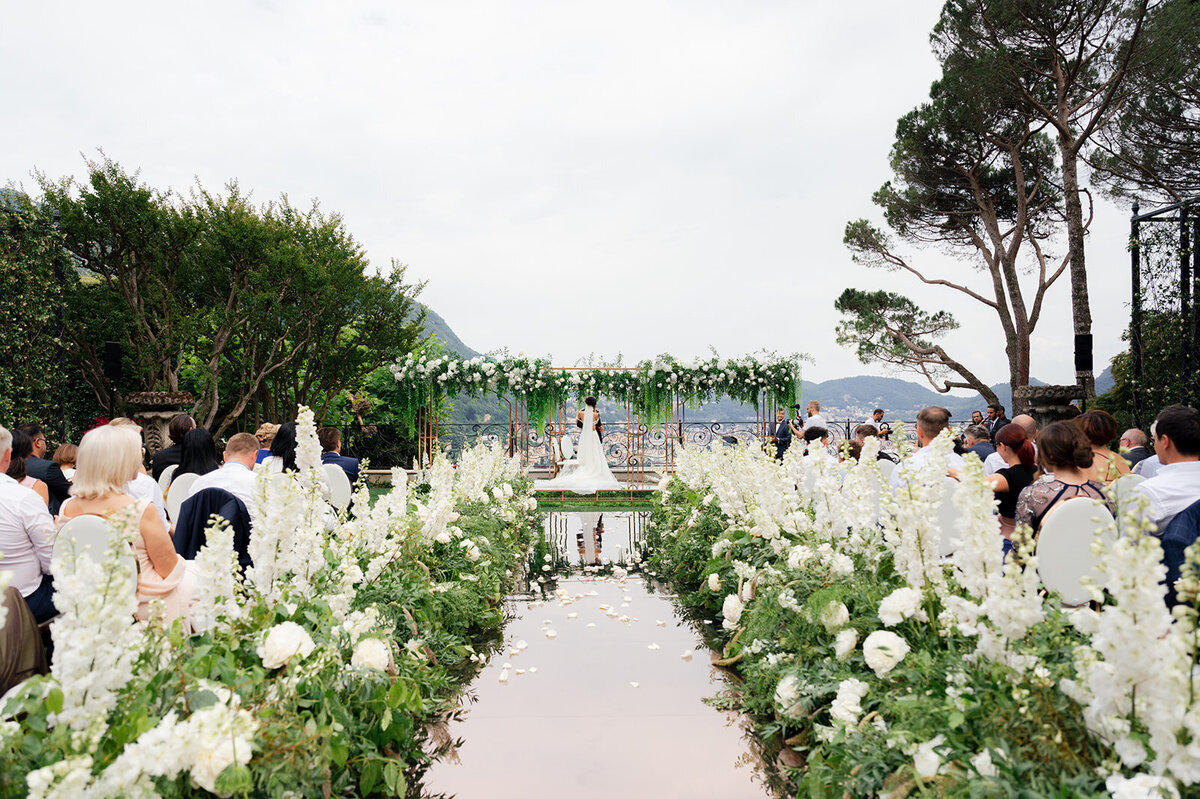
(654, 393)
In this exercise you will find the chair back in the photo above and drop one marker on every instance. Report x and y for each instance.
(949, 519)
(566, 448)
(1064, 547)
(91, 535)
(887, 467)
(1121, 489)
(178, 492)
(340, 490)
(164, 478)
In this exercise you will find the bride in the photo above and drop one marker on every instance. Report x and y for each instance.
(590, 472)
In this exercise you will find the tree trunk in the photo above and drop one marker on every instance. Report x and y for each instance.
(1080, 307)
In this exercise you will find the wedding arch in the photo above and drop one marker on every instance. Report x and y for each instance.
(654, 394)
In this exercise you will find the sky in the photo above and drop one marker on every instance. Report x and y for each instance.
(570, 179)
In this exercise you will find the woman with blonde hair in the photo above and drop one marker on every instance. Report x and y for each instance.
(108, 459)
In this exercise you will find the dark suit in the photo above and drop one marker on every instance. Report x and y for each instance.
(167, 456)
(982, 449)
(349, 465)
(191, 529)
(993, 426)
(1180, 534)
(51, 474)
(782, 432)
(1136, 455)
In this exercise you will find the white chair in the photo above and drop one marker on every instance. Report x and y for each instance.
(164, 479)
(340, 490)
(178, 492)
(887, 467)
(566, 448)
(1122, 487)
(948, 518)
(91, 535)
(1064, 547)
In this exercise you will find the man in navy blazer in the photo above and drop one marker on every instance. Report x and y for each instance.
(47, 471)
(331, 452)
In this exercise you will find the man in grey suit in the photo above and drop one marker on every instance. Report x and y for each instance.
(47, 471)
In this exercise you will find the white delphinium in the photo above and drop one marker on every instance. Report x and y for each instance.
(308, 448)
(861, 487)
(358, 623)
(66, 779)
(828, 502)
(882, 650)
(901, 604)
(910, 523)
(277, 512)
(437, 512)
(5, 578)
(217, 587)
(847, 705)
(95, 639)
(978, 557)
(347, 574)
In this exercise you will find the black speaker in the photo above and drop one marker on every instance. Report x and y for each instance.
(1083, 352)
(112, 361)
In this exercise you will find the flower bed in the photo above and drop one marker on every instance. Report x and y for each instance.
(874, 667)
(329, 672)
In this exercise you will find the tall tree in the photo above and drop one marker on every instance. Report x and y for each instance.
(979, 179)
(1154, 148)
(1067, 63)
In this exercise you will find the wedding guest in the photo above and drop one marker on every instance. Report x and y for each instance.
(1017, 474)
(865, 431)
(1101, 428)
(47, 471)
(26, 539)
(995, 419)
(977, 418)
(198, 453)
(781, 434)
(331, 452)
(236, 475)
(994, 462)
(931, 422)
(142, 486)
(169, 456)
(22, 448)
(813, 433)
(1177, 483)
(265, 435)
(1065, 452)
(1133, 446)
(977, 440)
(283, 449)
(108, 460)
(64, 456)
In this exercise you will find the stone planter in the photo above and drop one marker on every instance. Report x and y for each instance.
(1050, 403)
(157, 408)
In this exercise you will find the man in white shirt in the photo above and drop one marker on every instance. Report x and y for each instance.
(26, 538)
(236, 476)
(815, 419)
(1177, 483)
(930, 422)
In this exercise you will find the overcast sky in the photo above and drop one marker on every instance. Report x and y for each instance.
(627, 177)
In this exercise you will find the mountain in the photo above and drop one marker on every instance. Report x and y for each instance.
(436, 325)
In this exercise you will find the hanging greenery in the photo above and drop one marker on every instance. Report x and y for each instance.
(651, 388)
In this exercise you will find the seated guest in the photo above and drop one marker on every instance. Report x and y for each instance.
(1101, 428)
(22, 653)
(1133, 446)
(1065, 452)
(283, 449)
(1180, 534)
(64, 456)
(22, 448)
(198, 453)
(978, 440)
(169, 456)
(865, 431)
(931, 422)
(818, 434)
(1017, 474)
(142, 486)
(26, 539)
(47, 471)
(108, 460)
(236, 475)
(1177, 483)
(265, 435)
(331, 452)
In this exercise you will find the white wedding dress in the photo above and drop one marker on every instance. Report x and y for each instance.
(590, 472)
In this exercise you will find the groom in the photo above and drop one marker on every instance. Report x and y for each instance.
(781, 433)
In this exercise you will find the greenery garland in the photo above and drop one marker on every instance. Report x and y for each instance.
(651, 388)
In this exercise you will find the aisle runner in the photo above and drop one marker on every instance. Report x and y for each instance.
(598, 706)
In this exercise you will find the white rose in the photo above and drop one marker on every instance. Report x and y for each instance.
(732, 611)
(899, 605)
(846, 641)
(835, 616)
(443, 537)
(927, 761)
(211, 762)
(498, 493)
(714, 582)
(1141, 786)
(472, 551)
(371, 653)
(847, 705)
(787, 692)
(883, 650)
(982, 763)
(283, 642)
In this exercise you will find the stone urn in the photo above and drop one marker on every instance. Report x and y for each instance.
(156, 409)
(1050, 403)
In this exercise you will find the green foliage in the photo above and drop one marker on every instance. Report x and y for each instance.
(880, 324)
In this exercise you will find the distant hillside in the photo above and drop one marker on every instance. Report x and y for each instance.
(437, 326)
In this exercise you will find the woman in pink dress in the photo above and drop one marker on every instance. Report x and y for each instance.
(108, 458)
(22, 448)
